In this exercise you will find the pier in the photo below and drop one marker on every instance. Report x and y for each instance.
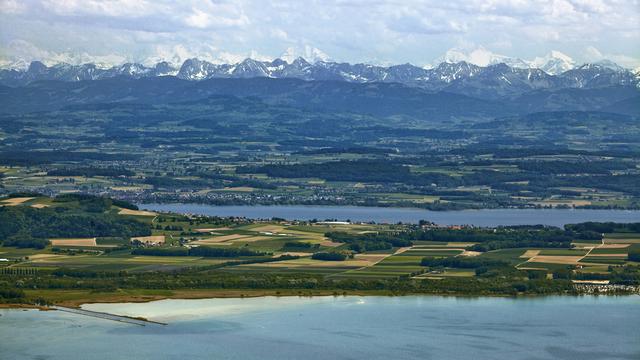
(107, 316)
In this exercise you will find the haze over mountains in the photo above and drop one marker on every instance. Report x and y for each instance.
(463, 84)
(500, 75)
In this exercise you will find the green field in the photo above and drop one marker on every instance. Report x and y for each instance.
(187, 252)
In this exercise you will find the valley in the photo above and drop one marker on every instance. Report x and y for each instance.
(287, 141)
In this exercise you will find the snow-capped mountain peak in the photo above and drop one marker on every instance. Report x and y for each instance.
(480, 56)
(608, 64)
(497, 79)
(554, 63)
(310, 54)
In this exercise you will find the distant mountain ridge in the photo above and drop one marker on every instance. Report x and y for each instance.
(492, 81)
(377, 98)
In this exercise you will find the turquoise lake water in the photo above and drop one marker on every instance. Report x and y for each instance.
(485, 217)
(415, 327)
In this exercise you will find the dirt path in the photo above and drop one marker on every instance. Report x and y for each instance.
(577, 262)
(399, 251)
(591, 249)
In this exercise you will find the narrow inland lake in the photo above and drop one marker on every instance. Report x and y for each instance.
(484, 217)
(352, 327)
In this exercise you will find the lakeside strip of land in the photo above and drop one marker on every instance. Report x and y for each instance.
(77, 298)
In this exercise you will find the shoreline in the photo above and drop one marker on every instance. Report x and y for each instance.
(487, 217)
(390, 206)
(77, 302)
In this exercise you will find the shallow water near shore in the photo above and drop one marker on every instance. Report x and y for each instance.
(484, 217)
(350, 327)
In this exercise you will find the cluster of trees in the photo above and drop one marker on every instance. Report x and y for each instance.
(11, 295)
(363, 150)
(541, 176)
(329, 255)
(204, 251)
(604, 227)
(170, 182)
(26, 158)
(24, 226)
(258, 184)
(93, 203)
(370, 241)
(628, 183)
(486, 267)
(361, 170)
(198, 278)
(502, 237)
(488, 239)
(297, 245)
(462, 262)
(623, 275)
(24, 239)
(566, 167)
(91, 171)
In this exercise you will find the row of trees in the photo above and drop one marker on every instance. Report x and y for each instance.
(370, 241)
(487, 239)
(204, 251)
(329, 255)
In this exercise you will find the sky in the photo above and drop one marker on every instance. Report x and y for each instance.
(369, 31)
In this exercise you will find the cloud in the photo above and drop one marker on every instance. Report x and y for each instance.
(383, 31)
(23, 52)
(307, 52)
(112, 8)
(217, 16)
(409, 21)
(591, 54)
(12, 7)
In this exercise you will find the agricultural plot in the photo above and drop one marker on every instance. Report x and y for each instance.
(588, 255)
(15, 201)
(404, 262)
(512, 256)
(210, 230)
(629, 240)
(446, 273)
(307, 265)
(109, 262)
(266, 241)
(556, 259)
(562, 252)
(136, 212)
(431, 252)
(74, 242)
(219, 239)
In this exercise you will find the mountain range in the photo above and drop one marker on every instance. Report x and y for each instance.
(380, 99)
(501, 77)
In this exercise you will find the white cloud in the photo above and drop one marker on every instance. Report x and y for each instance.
(308, 52)
(478, 55)
(382, 31)
(112, 8)
(203, 19)
(591, 54)
(24, 52)
(279, 34)
(12, 7)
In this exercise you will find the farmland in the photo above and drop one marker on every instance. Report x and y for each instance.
(153, 251)
(246, 154)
